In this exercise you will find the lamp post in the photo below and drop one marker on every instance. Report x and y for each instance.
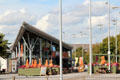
(115, 37)
(100, 27)
(90, 34)
(115, 20)
(109, 34)
(60, 23)
(81, 36)
(77, 36)
(64, 36)
(74, 36)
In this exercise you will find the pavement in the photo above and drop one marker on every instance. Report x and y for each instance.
(70, 76)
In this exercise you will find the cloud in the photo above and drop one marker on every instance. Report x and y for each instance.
(10, 31)
(11, 20)
(11, 17)
(96, 20)
(43, 23)
(48, 23)
(75, 20)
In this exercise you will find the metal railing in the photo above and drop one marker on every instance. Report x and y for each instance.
(72, 76)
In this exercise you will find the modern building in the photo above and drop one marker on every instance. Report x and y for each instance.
(32, 43)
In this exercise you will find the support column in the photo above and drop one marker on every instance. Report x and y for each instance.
(16, 51)
(30, 56)
(46, 51)
(24, 53)
(19, 52)
(41, 49)
(71, 56)
(51, 47)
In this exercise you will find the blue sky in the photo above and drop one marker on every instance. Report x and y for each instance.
(43, 14)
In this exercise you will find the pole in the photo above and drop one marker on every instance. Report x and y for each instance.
(116, 39)
(60, 23)
(82, 51)
(90, 33)
(16, 51)
(24, 53)
(41, 49)
(75, 55)
(109, 34)
(64, 36)
(100, 26)
(75, 51)
(19, 52)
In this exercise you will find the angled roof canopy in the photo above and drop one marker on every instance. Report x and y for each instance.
(25, 26)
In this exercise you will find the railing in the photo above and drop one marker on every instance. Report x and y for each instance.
(71, 76)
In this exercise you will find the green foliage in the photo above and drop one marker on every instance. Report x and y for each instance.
(3, 46)
(101, 48)
(104, 47)
(78, 53)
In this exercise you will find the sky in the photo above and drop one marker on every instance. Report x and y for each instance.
(44, 15)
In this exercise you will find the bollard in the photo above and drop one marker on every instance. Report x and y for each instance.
(13, 78)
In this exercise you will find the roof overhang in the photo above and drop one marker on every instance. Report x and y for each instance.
(25, 26)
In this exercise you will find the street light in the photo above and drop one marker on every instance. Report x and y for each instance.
(60, 23)
(115, 7)
(79, 36)
(100, 27)
(115, 38)
(74, 36)
(109, 33)
(115, 20)
(64, 36)
(90, 34)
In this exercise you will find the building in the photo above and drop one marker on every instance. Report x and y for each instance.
(84, 46)
(3, 64)
(32, 43)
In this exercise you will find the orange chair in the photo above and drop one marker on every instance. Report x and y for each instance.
(103, 61)
(39, 65)
(51, 63)
(32, 63)
(35, 63)
(46, 63)
(81, 65)
(81, 61)
(27, 64)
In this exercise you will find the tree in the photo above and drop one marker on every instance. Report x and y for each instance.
(78, 54)
(3, 46)
(104, 47)
(101, 48)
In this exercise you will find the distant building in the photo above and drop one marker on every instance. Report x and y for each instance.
(85, 46)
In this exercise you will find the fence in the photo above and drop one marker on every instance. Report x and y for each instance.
(72, 76)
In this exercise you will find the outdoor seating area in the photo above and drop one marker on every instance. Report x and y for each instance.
(38, 69)
(103, 67)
